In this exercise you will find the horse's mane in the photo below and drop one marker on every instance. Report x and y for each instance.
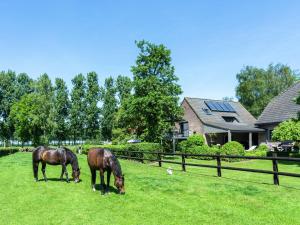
(117, 166)
(72, 155)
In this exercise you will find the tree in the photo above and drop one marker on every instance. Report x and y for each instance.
(92, 110)
(61, 110)
(78, 106)
(123, 87)
(25, 114)
(24, 85)
(45, 90)
(287, 130)
(109, 108)
(7, 98)
(154, 106)
(256, 86)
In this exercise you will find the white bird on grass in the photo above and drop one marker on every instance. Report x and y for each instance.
(170, 171)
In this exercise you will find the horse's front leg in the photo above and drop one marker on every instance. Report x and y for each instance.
(44, 171)
(66, 172)
(102, 181)
(35, 170)
(62, 173)
(108, 180)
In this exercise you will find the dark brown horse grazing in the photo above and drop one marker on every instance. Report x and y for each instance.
(104, 160)
(61, 156)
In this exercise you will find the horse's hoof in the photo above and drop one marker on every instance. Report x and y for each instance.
(94, 189)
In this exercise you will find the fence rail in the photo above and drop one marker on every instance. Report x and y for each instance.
(139, 156)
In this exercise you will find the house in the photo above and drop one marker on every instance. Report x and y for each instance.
(281, 108)
(219, 122)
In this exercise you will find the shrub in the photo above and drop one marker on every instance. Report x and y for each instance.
(8, 150)
(137, 147)
(261, 151)
(232, 148)
(287, 130)
(204, 149)
(191, 142)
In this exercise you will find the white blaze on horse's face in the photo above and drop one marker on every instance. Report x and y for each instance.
(76, 174)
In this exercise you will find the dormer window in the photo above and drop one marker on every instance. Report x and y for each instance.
(230, 119)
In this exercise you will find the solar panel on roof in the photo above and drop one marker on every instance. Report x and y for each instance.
(231, 109)
(211, 106)
(219, 106)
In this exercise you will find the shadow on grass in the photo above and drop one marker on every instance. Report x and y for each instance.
(111, 189)
(58, 180)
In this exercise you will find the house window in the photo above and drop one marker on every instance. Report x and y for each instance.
(230, 119)
(184, 128)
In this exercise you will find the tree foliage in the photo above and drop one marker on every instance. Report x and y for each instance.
(78, 106)
(123, 87)
(109, 108)
(92, 110)
(26, 113)
(287, 130)
(61, 110)
(152, 108)
(256, 86)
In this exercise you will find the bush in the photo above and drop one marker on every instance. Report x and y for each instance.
(261, 151)
(232, 148)
(204, 149)
(287, 130)
(191, 142)
(137, 147)
(8, 150)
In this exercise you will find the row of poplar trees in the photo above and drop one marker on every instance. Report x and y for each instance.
(144, 107)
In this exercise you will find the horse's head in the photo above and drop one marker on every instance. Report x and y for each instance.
(120, 184)
(76, 174)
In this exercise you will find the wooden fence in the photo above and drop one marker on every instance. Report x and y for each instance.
(137, 155)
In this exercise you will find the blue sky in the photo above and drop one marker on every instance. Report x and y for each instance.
(210, 41)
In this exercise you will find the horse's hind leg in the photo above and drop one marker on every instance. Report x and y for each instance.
(44, 170)
(93, 178)
(102, 181)
(35, 170)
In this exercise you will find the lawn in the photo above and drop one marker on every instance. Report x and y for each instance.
(152, 197)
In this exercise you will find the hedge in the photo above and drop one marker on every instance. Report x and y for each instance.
(127, 148)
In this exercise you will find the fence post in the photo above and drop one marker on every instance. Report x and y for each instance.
(219, 165)
(142, 159)
(183, 162)
(128, 154)
(275, 169)
(159, 159)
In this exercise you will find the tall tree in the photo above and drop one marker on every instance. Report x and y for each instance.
(92, 110)
(78, 106)
(25, 114)
(123, 87)
(24, 85)
(7, 98)
(256, 86)
(44, 88)
(154, 105)
(61, 110)
(109, 108)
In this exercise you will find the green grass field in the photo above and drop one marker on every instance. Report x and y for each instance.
(152, 196)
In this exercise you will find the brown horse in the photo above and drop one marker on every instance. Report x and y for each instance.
(104, 160)
(61, 156)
